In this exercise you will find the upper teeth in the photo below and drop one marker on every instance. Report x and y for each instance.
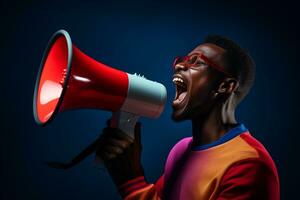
(177, 79)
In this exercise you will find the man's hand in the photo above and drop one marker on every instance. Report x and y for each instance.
(121, 154)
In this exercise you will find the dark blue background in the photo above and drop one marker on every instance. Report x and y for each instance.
(140, 37)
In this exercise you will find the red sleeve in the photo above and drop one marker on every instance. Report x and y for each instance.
(139, 189)
(249, 179)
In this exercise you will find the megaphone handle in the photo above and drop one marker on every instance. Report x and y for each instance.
(124, 121)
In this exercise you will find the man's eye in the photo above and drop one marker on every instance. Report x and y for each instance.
(193, 60)
(199, 62)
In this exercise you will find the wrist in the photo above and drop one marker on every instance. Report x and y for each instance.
(120, 177)
(132, 185)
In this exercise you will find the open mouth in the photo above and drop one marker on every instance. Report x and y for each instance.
(181, 89)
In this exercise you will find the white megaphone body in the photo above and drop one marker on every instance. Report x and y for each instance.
(69, 79)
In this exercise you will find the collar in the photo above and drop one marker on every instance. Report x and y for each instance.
(240, 128)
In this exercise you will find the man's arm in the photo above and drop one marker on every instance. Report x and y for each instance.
(122, 157)
(249, 179)
(139, 189)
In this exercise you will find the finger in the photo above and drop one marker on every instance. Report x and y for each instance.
(114, 140)
(123, 144)
(123, 136)
(107, 156)
(113, 150)
(104, 155)
(117, 134)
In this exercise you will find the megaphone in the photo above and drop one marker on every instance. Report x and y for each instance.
(69, 79)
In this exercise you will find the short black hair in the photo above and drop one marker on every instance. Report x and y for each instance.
(239, 63)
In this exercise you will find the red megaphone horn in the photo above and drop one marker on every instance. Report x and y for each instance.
(69, 79)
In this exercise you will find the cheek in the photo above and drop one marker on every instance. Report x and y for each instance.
(199, 84)
(202, 88)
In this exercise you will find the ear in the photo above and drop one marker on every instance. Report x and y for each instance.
(228, 86)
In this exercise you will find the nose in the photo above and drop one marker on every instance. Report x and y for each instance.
(180, 66)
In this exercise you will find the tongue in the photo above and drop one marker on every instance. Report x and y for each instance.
(181, 96)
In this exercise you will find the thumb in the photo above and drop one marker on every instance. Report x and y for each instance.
(137, 133)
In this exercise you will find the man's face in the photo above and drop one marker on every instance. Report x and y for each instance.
(196, 86)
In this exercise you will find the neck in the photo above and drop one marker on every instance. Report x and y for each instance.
(211, 126)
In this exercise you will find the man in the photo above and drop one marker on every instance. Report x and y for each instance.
(221, 160)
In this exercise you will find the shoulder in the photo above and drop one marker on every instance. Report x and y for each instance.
(182, 144)
(180, 147)
(245, 147)
(177, 153)
(254, 177)
(263, 155)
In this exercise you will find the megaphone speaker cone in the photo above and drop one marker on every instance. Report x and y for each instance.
(69, 79)
(53, 76)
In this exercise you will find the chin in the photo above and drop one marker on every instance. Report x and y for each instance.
(176, 119)
(188, 113)
(178, 116)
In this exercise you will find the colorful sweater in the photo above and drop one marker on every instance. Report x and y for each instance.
(236, 166)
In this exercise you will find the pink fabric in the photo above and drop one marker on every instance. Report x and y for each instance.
(176, 154)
